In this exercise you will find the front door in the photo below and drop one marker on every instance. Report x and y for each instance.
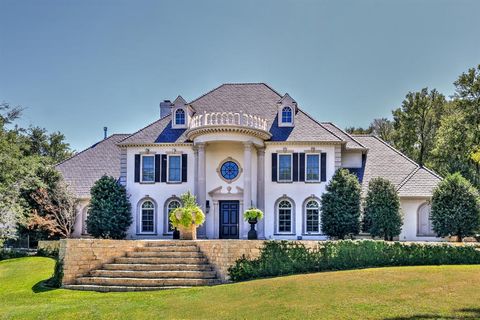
(229, 211)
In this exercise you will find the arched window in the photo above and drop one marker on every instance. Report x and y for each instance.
(171, 205)
(287, 115)
(147, 217)
(312, 217)
(85, 213)
(284, 217)
(424, 226)
(180, 117)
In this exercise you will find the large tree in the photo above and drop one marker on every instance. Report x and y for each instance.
(416, 123)
(110, 211)
(380, 127)
(341, 205)
(455, 208)
(381, 213)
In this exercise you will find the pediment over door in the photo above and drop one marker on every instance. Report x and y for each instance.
(221, 193)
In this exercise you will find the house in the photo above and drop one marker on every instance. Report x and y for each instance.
(243, 145)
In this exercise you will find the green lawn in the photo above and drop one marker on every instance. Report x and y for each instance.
(444, 292)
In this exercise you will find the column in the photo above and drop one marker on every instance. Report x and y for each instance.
(201, 186)
(261, 190)
(195, 171)
(247, 183)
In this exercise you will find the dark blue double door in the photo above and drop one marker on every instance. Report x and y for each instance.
(229, 215)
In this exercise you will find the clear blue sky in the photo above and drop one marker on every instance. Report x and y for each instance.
(77, 66)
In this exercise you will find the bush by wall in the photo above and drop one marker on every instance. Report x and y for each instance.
(10, 254)
(286, 257)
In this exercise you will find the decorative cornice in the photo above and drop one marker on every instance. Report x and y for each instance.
(258, 133)
(304, 143)
(163, 144)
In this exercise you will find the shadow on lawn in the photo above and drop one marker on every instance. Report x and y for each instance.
(43, 286)
(471, 313)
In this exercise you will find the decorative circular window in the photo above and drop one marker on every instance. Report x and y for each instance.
(229, 170)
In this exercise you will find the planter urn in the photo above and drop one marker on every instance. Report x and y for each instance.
(188, 233)
(252, 233)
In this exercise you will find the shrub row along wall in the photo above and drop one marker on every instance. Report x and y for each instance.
(48, 245)
(289, 257)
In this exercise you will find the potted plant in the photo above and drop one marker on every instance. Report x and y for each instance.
(187, 217)
(252, 215)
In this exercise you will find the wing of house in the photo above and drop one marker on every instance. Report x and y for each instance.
(242, 145)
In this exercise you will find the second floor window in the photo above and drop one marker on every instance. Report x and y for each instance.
(312, 167)
(148, 168)
(180, 117)
(174, 168)
(284, 167)
(287, 115)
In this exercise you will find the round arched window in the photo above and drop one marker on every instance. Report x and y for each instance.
(229, 170)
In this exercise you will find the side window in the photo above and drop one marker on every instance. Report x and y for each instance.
(284, 167)
(180, 117)
(172, 205)
(312, 167)
(312, 217)
(148, 168)
(174, 168)
(287, 115)
(284, 217)
(148, 217)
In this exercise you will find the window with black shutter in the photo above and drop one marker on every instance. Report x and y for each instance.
(157, 168)
(184, 167)
(163, 174)
(137, 168)
(274, 167)
(323, 167)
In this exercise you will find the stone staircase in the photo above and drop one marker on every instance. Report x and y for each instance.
(158, 265)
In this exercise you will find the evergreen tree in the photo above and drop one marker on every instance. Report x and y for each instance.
(110, 211)
(455, 208)
(341, 205)
(382, 216)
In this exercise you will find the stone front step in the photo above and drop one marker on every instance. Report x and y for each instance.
(161, 243)
(153, 274)
(168, 248)
(161, 260)
(146, 282)
(157, 267)
(100, 288)
(168, 254)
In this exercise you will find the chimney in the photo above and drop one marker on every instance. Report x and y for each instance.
(105, 132)
(165, 108)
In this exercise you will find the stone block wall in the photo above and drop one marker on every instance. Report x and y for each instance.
(80, 256)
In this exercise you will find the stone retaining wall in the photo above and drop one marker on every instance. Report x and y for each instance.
(80, 256)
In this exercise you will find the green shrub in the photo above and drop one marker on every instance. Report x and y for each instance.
(110, 211)
(11, 254)
(341, 205)
(56, 280)
(50, 253)
(253, 214)
(286, 257)
(455, 208)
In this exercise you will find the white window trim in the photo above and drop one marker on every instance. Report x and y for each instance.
(286, 124)
(319, 166)
(141, 167)
(168, 168)
(292, 217)
(305, 232)
(140, 217)
(291, 167)
(419, 234)
(166, 214)
(184, 117)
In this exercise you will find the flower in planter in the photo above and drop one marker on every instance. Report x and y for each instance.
(187, 217)
(253, 214)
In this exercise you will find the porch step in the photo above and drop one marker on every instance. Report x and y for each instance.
(100, 288)
(158, 265)
(153, 274)
(167, 260)
(146, 282)
(165, 254)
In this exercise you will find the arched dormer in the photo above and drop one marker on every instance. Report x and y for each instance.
(181, 114)
(287, 108)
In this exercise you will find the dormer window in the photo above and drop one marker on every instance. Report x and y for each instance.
(287, 115)
(180, 117)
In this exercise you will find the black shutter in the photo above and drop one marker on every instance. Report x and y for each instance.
(164, 168)
(323, 168)
(295, 167)
(157, 168)
(274, 167)
(302, 167)
(137, 168)
(184, 168)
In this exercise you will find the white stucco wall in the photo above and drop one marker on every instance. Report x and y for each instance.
(409, 207)
(80, 220)
(297, 191)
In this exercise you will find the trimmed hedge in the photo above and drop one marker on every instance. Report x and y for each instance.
(286, 257)
(11, 254)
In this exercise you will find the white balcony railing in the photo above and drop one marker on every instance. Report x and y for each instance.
(240, 119)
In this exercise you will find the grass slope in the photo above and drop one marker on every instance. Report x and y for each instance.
(444, 292)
